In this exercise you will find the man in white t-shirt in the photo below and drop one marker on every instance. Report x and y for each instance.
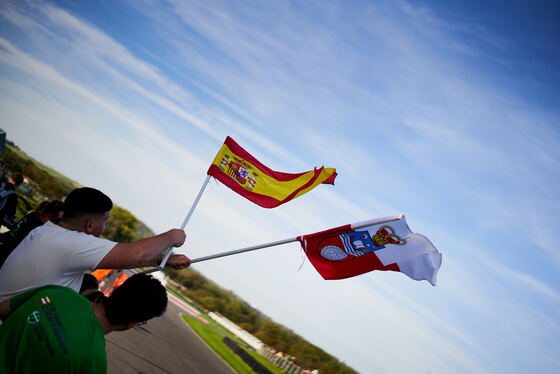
(60, 254)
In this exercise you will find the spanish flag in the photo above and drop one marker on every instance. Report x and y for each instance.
(237, 169)
(45, 300)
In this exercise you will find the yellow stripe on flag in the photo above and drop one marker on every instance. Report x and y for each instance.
(264, 184)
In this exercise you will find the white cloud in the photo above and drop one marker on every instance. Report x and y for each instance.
(386, 99)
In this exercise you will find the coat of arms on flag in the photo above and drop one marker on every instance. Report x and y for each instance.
(386, 244)
(381, 244)
(244, 174)
(358, 243)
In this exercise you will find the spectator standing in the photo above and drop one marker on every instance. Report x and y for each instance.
(8, 199)
(61, 254)
(45, 211)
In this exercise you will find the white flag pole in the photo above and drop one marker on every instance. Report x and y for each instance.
(354, 226)
(170, 249)
(376, 221)
(246, 249)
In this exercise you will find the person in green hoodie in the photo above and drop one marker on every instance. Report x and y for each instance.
(54, 329)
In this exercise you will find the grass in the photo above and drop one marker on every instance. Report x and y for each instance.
(222, 329)
(175, 293)
(42, 166)
(213, 333)
(214, 340)
(273, 369)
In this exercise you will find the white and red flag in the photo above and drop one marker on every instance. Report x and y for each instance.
(382, 244)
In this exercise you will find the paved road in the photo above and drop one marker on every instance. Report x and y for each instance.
(164, 345)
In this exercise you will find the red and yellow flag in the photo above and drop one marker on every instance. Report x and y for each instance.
(237, 169)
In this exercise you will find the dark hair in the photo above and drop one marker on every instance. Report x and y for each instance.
(89, 283)
(90, 288)
(52, 207)
(138, 299)
(41, 206)
(86, 200)
(17, 177)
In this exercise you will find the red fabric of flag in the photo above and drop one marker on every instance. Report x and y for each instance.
(239, 170)
(324, 250)
(380, 244)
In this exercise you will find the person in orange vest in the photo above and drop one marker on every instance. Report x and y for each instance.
(99, 274)
(102, 276)
(120, 280)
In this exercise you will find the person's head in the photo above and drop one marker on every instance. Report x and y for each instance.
(89, 283)
(90, 288)
(39, 208)
(16, 178)
(87, 210)
(51, 211)
(138, 299)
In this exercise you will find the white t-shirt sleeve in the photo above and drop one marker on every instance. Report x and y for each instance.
(86, 252)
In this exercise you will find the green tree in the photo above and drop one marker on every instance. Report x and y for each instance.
(48, 184)
(121, 226)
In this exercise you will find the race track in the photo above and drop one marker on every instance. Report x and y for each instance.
(164, 345)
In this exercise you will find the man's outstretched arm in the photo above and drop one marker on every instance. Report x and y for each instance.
(145, 252)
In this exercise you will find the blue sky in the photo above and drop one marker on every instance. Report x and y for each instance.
(444, 111)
